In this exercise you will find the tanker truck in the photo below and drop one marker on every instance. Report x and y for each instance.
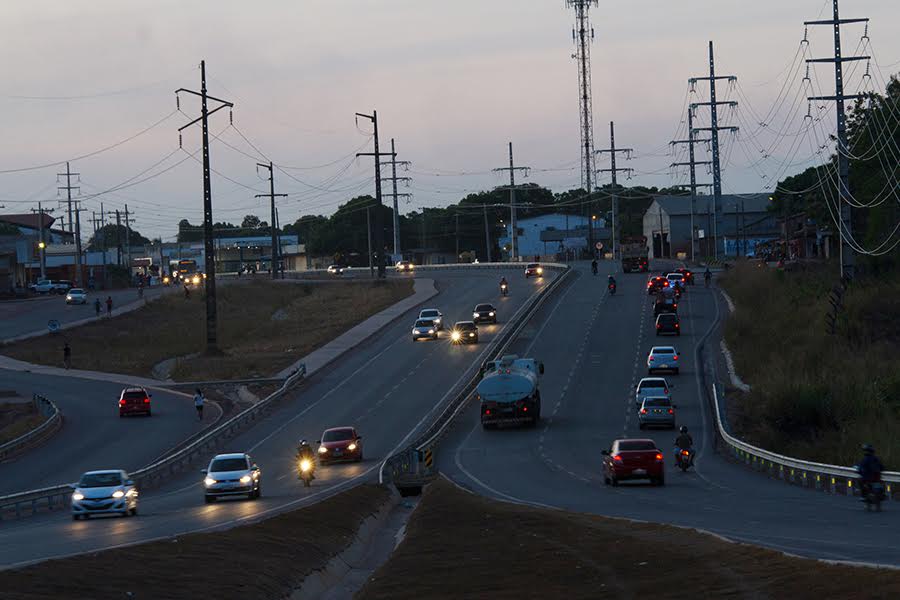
(509, 392)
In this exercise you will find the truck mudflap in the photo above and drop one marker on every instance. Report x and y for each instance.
(528, 413)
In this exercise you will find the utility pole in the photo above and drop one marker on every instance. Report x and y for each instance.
(394, 179)
(846, 255)
(714, 129)
(487, 234)
(128, 221)
(271, 196)
(513, 253)
(456, 218)
(68, 187)
(692, 163)
(42, 244)
(379, 214)
(78, 277)
(612, 155)
(585, 104)
(118, 239)
(369, 239)
(210, 268)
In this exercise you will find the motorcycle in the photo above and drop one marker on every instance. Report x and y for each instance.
(504, 289)
(612, 289)
(684, 460)
(872, 495)
(306, 471)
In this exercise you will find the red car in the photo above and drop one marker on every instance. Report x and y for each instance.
(340, 444)
(633, 459)
(688, 275)
(134, 401)
(657, 284)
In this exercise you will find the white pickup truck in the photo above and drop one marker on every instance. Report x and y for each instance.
(51, 286)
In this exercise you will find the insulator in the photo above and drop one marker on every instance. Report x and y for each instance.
(177, 102)
(179, 140)
(231, 117)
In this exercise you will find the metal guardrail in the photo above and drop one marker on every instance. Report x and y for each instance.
(405, 465)
(831, 478)
(51, 497)
(54, 418)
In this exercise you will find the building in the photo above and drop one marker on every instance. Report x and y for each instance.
(552, 234)
(746, 222)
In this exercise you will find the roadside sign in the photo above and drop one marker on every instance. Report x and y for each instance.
(599, 245)
(53, 325)
(701, 234)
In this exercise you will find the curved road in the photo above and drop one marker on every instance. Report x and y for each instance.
(594, 348)
(388, 388)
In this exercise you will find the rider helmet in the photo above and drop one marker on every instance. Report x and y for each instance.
(683, 429)
(868, 449)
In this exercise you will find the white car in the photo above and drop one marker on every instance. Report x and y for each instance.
(76, 296)
(104, 492)
(433, 314)
(662, 358)
(650, 387)
(231, 475)
(424, 328)
(336, 270)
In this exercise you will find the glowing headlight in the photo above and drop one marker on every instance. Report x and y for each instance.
(430, 331)
(540, 270)
(323, 450)
(351, 447)
(475, 315)
(246, 479)
(455, 336)
(471, 335)
(490, 314)
(209, 481)
(118, 494)
(437, 320)
(196, 280)
(305, 465)
(77, 496)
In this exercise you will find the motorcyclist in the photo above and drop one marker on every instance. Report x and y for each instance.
(305, 451)
(504, 285)
(707, 275)
(594, 266)
(684, 442)
(869, 468)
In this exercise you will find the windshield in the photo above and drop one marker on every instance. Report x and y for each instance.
(651, 384)
(667, 318)
(656, 402)
(532, 266)
(424, 323)
(338, 435)
(637, 445)
(221, 465)
(89, 480)
(663, 351)
(465, 325)
(76, 291)
(429, 313)
(483, 307)
(137, 395)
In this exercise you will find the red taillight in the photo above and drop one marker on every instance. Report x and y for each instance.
(659, 456)
(146, 400)
(675, 357)
(643, 411)
(685, 453)
(617, 458)
(487, 411)
(658, 326)
(524, 409)
(677, 326)
(121, 402)
(671, 412)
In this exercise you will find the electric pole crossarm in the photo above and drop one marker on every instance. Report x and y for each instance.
(719, 103)
(688, 164)
(729, 128)
(611, 150)
(694, 141)
(619, 170)
(836, 21)
(716, 78)
(834, 98)
(201, 117)
(835, 59)
(208, 97)
(270, 195)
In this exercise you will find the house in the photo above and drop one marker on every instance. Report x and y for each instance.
(745, 222)
(554, 233)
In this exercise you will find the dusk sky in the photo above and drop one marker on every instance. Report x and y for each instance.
(453, 82)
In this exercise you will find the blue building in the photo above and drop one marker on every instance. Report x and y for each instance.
(550, 234)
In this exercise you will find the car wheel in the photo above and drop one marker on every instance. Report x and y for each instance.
(676, 371)
(134, 511)
(641, 426)
(76, 517)
(661, 481)
(209, 499)
(360, 457)
(605, 480)
(149, 413)
(678, 333)
(613, 482)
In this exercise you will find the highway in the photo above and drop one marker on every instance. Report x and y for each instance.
(387, 387)
(594, 348)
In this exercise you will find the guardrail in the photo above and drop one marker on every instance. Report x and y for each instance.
(405, 465)
(54, 420)
(830, 478)
(48, 498)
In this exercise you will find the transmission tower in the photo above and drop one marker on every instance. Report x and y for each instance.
(583, 35)
(394, 194)
(692, 163)
(612, 150)
(514, 235)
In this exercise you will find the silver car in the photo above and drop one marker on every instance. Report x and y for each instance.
(231, 475)
(104, 492)
(662, 358)
(435, 315)
(650, 387)
(424, 328)
(657, 412)
(76, 296)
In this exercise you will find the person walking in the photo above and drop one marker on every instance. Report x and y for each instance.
(97, 307)
(109, 306)
(199, 401)
(67, 356)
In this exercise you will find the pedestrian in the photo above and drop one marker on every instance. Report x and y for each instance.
(109, 306)
(97, 307)
(67, 356)
(199, 401)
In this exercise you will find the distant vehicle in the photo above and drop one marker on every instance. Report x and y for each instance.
(688, 275)
(533, 270)
(656, 284)
(134, 401)
(657, 412)
(668, 323)
(633, 251)
(650, 387)
(435, 315)
(484, 313)
(340, 444)
(232, 475)
(509, 391)
(662, 358)
(61, 286)
(183, 269)
(664, 304)
(424, 328)
(677, 280)
(464, 332)
(76, 296)
(405, 266)
(633, 459)
(51, 286)
(104, 492)
(335, 270)
(32, 287)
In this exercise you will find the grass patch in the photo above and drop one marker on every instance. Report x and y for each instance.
(459, 545)
(264, 326)
(815, 396)
(17, 419)
(264, 560)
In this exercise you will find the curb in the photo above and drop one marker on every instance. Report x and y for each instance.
(736, 380)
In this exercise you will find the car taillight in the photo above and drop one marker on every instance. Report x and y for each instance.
(121, 402)
(651, 358)
(659, 456)
(677, 325)
(617, 458)
(671, 412)
(146, 400)
(643, 411)
(658, 326)
(487, 411)
(675, 357)
(685, 452)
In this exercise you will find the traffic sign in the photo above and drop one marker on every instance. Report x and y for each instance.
(53, 325)
(599, 245)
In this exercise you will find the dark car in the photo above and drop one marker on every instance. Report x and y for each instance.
(633, 459)
(664, 304)
(484, 313)
(464, 332)
(656, 284)
(134, 401)
(533, 270)
(688, 275)
(668, 323)
(340, 444)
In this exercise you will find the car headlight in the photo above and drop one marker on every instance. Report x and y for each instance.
(490, 314)
(77, 496)
(455, 336)
(118, 494)
(414, 331)
(540, 270)
(475, 315)
(209, 481)
(471, 335)
(246, 479)
(323, 450)
(351, 447)
(430, 331)
(437, 320)
(196, 280)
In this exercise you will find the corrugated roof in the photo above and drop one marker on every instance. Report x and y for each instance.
(27, 220)
(681, 205)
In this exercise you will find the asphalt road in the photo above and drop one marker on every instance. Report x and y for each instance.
(388, 388)
(93, 435)
(594, 348)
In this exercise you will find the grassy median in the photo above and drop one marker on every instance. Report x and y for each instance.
(815, 395)
(264, 326)
(17, 419)
(459, 545)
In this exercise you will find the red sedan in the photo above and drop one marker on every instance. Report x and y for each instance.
(340, 444)
(633, 459)
(134, 401)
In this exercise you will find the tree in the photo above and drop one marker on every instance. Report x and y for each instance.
(250, 222)
(111, 236)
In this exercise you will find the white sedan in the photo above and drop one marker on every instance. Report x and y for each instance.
(433, 314)
(104, 492)
(76, 296)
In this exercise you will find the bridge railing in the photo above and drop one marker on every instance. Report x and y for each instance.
(52, 421)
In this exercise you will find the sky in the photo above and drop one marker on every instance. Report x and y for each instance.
(453, 84)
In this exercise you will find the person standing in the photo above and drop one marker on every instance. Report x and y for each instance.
(109, 306)
(97, 307)
(67, 356)
(199, 401)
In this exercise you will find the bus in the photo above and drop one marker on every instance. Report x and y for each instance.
(185, 270)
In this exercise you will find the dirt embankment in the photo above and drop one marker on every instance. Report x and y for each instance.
(459, 545)
(17, 419)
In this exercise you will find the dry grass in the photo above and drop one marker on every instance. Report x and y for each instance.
(458, 545)
(815, 396)
(265, 560)
(18, 418)
(264, 326)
